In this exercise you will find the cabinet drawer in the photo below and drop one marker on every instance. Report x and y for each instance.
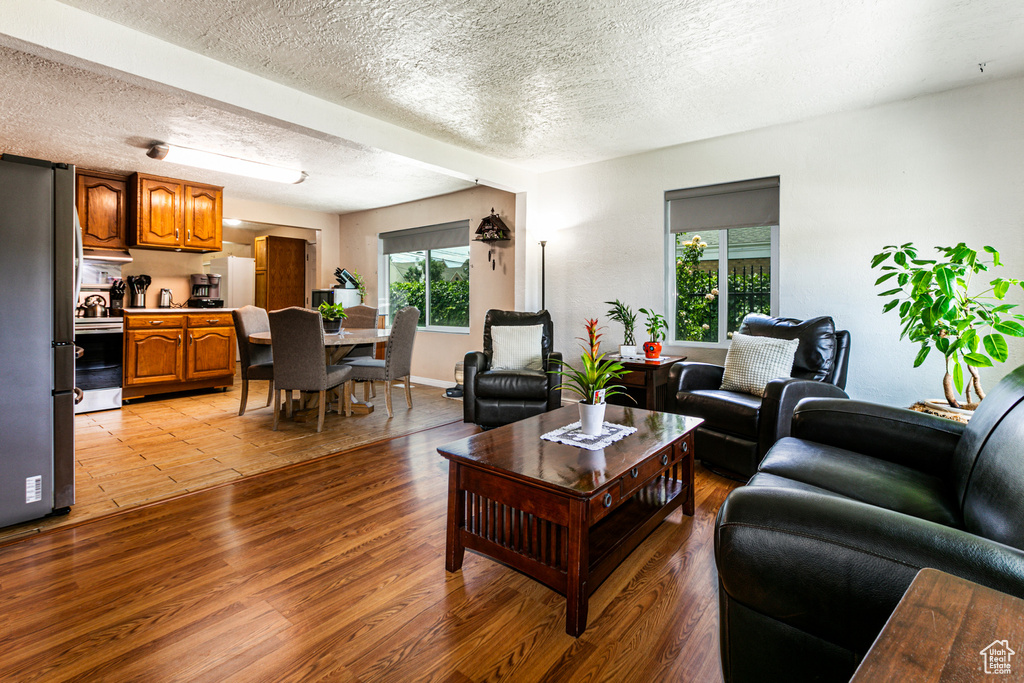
(645, 471)
(634, 379)
(605, 502)
(155, 321)
(210, 320)
(683, 448)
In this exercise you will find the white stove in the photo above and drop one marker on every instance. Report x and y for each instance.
(98, 372)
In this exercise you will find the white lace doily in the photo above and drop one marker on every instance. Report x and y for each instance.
(572, 436)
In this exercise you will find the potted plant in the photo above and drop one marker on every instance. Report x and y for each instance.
(656, 327)
(936, 307)
(624, 315)
(594, 382)
(332, 315)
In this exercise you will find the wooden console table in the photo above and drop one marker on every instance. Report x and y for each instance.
(948, 629)
(563, 515)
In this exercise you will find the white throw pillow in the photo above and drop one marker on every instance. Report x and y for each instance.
(752, 362)
(516, 347)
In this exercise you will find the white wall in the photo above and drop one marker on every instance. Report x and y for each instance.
(934, 170)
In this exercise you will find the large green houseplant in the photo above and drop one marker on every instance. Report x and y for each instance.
(937, 308)
(594, 383)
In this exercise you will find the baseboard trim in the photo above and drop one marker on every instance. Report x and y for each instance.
(433, 382)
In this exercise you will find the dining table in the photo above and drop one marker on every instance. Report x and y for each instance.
(336, 347)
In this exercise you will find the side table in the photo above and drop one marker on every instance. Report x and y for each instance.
(646, 382)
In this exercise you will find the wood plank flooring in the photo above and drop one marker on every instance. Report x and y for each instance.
(334, 570)
(164, 446)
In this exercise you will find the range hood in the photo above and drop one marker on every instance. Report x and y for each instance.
(120, 256)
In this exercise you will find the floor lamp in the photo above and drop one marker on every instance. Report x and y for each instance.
(543, 243)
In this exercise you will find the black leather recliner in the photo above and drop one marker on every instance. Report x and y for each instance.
(815, 552)
(496, 397)
(739, 428)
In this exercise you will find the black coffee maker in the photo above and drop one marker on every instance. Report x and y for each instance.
(205, 291)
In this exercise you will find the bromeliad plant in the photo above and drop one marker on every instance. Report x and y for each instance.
(624, 315)
(597, 373)
(937, 308)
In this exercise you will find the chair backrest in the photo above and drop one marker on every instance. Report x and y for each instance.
(398, 357)
(297, 336)
(823, 353)
(250, 320)
(495, 317)
(360, 317)
(988, 465)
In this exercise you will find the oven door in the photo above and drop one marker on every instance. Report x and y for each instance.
(98, 372)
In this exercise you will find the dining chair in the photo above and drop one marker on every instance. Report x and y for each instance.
(397, 363)
(256, 360)
(299, 361)
(362, 318)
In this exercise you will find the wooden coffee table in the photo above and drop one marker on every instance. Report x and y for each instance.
(562, 515)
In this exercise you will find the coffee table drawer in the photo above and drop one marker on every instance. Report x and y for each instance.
(645, 471)
(605, 502)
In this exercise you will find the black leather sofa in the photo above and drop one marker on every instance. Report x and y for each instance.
(815, 552)
(739, 428)
(493, 398)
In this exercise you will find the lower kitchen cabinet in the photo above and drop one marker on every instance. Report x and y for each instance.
(177, 352)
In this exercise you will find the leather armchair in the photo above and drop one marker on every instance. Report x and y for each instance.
(496, 397)
(739, 428)
(816, 551)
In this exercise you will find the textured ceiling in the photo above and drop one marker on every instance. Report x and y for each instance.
(551, 83)
(53, 111)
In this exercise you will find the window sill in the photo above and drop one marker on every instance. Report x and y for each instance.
(443, 330)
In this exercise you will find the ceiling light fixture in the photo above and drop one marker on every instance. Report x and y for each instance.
(219, 162)
(232, 222)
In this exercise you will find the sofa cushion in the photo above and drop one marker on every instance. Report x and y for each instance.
(817, 336)
(863, 478)
(517, 347)
(512, 384)
(725, 411)
(752, 362)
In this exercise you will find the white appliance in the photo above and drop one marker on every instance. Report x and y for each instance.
(237, 280)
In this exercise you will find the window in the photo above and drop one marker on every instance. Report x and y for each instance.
(428, 268)
(722, 258)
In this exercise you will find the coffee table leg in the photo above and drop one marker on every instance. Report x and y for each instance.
(455, 551)
(576, 591)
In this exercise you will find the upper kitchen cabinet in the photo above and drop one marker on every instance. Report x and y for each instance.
(174, 214)
(102, 202)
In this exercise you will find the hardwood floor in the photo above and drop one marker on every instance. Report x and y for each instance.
(165, 446)
(334, 570)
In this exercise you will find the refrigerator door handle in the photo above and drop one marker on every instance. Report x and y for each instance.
(79, 256)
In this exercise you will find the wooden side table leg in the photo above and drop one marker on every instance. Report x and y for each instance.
(687, 465)
(454, 551)
(577, 595)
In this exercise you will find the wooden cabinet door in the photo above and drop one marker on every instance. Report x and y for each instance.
(160, 209)
(153, 356)
(101, 199)
(211, 352)
(203, 211)
(286, 272)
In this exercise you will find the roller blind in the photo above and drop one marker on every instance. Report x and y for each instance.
(440, 236)
(745, 204)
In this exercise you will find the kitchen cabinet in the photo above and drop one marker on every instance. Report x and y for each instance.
(280, 272)
(102, 203)
(174, 214)
(178, 352)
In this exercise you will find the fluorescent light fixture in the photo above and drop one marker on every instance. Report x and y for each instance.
(219, 162)
(232, 222)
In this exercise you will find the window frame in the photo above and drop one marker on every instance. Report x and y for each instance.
(384, 286)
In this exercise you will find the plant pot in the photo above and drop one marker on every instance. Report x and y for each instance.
(652, 349)
(332, 326)
(592, 418)
(627, 350)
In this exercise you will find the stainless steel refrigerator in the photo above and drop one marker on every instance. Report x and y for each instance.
(37, 347)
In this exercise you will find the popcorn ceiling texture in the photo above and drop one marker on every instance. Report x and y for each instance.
(57, 112)
(553, 83)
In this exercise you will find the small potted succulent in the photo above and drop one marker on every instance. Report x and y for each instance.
(656, 328)
(332, 315)
(624, 315)
(594, 382)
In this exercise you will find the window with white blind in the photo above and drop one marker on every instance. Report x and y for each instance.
(722, 258)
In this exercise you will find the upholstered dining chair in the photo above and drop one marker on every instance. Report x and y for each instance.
(397, 363)
(256, 360)
(362, 318)
(299, 361)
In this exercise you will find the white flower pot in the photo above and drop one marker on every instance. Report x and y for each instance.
(627, 350)
(591, 418)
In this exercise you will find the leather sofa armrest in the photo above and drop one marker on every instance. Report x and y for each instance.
(836, 568)
(474, 363)
(554, 362)
(780, 400)
(691, 376)
(906, 437)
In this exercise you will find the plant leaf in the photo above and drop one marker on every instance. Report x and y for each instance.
(891, 305)
(945, 277)
(890, 292)
(996, 346)
(978, 360)
(1014, 329)
(958, 378)
(877, 258)
(921, 355)
(900, 258)
(1000, 288)
(883, 278)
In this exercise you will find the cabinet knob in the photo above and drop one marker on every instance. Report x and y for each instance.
(634, 473)
(664, 458)
(179, 340)
(607, 500)
(191, 339)
(211, 322)
(175, 233)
